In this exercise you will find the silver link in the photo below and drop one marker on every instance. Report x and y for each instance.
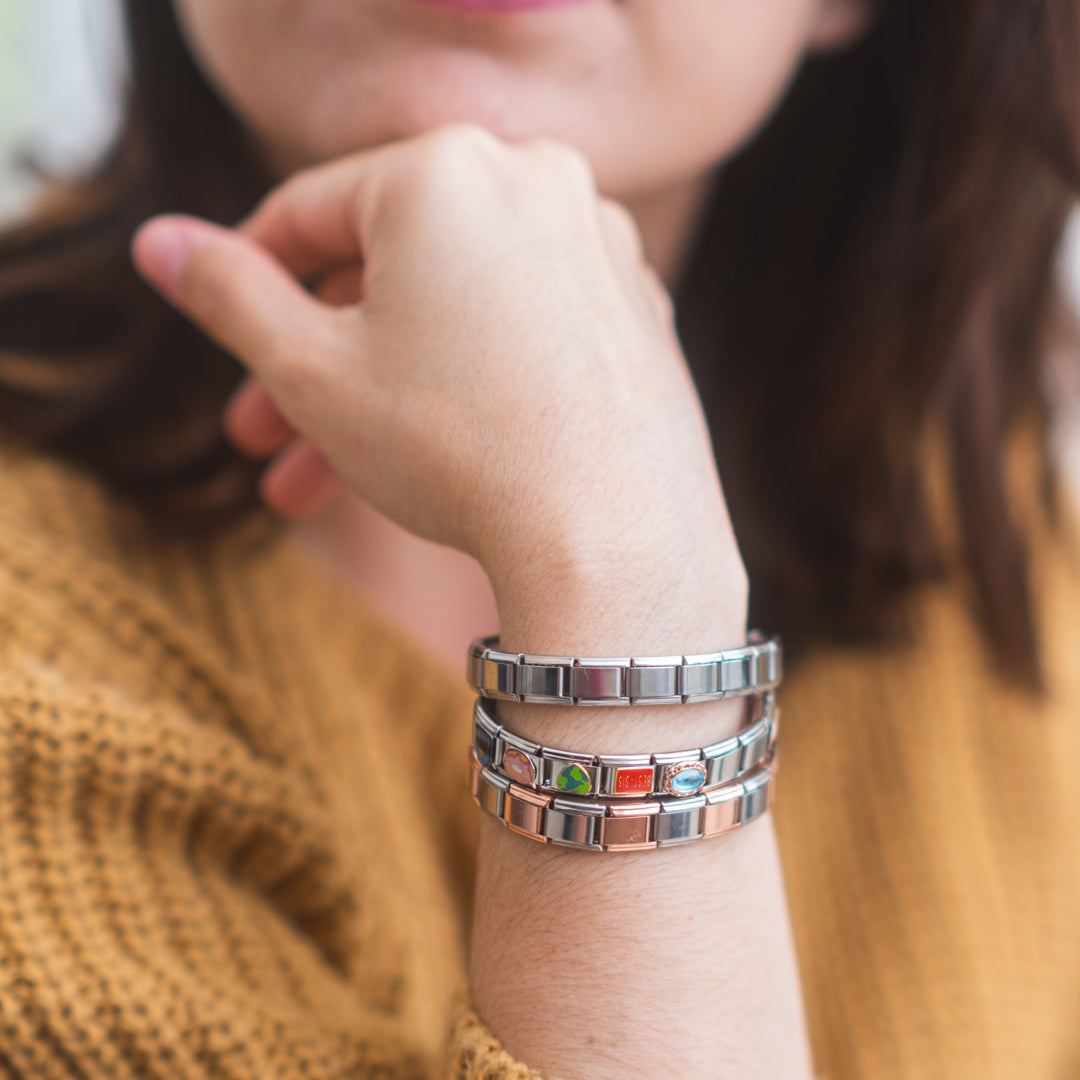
(723, 760)
(734, 674)
(574, 825)
(680, 820)
(655, 681)
(508, 738)
(599, 681)
(491, 793)
(486, 739)
(544, 679)
(756, 795)
(701, 677)
(624, 680)
(473, 669)
(754, 742)
(497, 671)
(772, 668)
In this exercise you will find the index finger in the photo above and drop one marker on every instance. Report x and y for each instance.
(319, 217)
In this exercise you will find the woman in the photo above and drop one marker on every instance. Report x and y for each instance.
(238, 840)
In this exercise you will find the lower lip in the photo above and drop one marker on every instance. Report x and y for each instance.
(503, 7)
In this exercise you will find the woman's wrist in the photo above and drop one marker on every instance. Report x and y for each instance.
(623, 591)
(638, 599)
(554, 930)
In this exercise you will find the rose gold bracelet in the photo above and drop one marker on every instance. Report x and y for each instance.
(598, 825)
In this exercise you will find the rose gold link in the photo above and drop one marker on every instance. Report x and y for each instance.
(626, 826)
(774, 732)
(772, 764)
(474, 774)
(630, 828)
(721, 812)
(523, 811)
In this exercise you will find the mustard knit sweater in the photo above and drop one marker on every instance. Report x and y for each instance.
(235, 840)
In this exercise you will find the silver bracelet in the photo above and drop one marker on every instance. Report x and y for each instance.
(620, 826)
(654, 680)
(680, 774)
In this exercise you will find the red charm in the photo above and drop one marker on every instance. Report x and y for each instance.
(635, 780)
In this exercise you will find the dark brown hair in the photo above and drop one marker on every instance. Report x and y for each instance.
(880, 260)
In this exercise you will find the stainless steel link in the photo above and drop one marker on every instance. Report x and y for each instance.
(624, 680)
(593, 825)
(680, 774)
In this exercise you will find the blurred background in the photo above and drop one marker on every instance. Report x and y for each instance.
(61, 72)
(61, 76)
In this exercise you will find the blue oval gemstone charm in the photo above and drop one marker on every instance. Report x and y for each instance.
(685, 779)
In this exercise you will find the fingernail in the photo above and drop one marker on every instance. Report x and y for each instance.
(162, 250)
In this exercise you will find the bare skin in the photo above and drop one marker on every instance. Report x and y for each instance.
(546, 350)
(619, 544)
(439, 596)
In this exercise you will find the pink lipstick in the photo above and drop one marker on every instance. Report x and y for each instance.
(503, 7)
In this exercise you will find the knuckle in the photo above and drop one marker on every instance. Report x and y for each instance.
(458, 165)
(659, 294)
(280, 203)
(622, 226)
(664, 302)
(298, 371)
(565, 160)
(463, 143)
(290, 377)
(620, 219)
(299, 181)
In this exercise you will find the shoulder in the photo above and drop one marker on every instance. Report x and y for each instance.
(243, 634)
(212, 803)
(929, 822)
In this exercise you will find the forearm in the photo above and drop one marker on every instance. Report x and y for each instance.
(541, 417)
(672, 961)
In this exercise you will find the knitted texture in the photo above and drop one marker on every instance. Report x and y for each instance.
(235, 840)
(475, 1054)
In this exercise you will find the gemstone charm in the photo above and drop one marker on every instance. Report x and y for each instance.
(574, 780)
(517, 766)
(686, 778)
(485, 747)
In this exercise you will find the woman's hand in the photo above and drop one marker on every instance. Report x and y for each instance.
(509, 382)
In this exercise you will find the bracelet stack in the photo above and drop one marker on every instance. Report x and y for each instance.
(605, 802)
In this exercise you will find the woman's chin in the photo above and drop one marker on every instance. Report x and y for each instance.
(357, 121)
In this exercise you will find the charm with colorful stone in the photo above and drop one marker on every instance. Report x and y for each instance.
(517, 766)
(686, 778)
(634, 780)
(574, 780)
(485, 747)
